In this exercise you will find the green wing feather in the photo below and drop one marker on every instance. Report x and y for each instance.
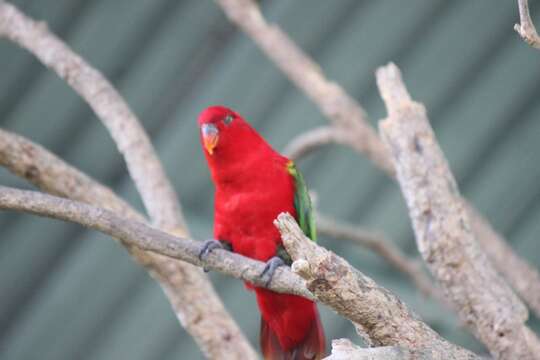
(302, 203)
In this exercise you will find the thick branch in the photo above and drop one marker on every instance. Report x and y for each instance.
(191, 295)
(379, 245)
(443, 232)
(385, 318)
(343, 111)
(378, 312)
(526, 28)
(145, 237)
(332, 100)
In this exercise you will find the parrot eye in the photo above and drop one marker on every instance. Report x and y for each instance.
(228, 119)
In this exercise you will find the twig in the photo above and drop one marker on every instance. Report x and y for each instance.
(387, 321)
(377, 311)
(442, 228)
(377, 242)
(201, 311)
(343, 111)
(526, 28)
(315, 138)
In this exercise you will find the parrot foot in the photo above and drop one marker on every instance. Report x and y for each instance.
(270, 268)
(209, 246)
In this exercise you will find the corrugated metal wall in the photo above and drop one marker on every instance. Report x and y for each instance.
(67, 293)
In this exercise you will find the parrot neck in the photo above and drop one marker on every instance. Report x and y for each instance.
(248, 162)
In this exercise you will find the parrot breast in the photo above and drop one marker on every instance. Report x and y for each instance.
(245, 208)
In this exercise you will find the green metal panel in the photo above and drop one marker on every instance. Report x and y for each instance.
(68, 293)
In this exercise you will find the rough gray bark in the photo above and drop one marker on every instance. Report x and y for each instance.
(442, 227)
(380, 314)
(143, 236)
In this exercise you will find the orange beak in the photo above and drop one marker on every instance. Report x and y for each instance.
(210, 137)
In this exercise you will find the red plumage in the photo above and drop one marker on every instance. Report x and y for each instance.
(252, 186)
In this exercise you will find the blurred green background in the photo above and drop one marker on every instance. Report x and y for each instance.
(68, 293)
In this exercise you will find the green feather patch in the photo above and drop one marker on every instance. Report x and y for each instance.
(302, 203)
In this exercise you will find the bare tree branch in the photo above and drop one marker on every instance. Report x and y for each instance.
(191, 294)
(379, 245)
(51, 174)
(136, 233)
(343, 111)
(386, 320)
(484, 301)
(315, 138)
(157, 193)
(201, 311)
(377, 311)
(526, 28)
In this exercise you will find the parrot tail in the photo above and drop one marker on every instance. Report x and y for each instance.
(290, 327)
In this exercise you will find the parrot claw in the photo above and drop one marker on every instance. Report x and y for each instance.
(207, 248)
(210, 245)
(270, 269)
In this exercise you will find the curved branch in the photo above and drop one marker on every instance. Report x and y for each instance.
(526, 28)
(483, 299)
(386, 320)
(312, 139)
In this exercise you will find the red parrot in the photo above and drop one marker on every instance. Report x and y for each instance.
(253, 184)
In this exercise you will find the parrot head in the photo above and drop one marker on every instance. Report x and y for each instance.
(225, 135)
(218, 125)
